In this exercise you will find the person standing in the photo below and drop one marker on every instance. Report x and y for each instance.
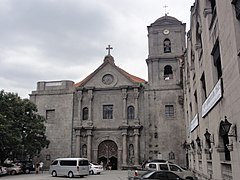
(37, 167)
(41, 166)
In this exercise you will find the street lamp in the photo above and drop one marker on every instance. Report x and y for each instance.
(208, 140)
(225, 127)
(207, 135)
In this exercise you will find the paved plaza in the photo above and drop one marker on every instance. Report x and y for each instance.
(106, 175)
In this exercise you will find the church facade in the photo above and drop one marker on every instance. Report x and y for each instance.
(113, 116)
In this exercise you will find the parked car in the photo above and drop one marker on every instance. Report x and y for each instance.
(13, 168)
(3, 170)
(154, 160)
(163, 166)
(180, 171)
(95, 168)
(160, 175)
(27, 166)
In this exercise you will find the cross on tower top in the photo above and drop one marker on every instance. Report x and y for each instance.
(109, 49)
(165, 7)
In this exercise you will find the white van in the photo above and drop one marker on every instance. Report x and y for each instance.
(69, 167)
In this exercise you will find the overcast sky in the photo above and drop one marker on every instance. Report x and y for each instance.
(44, 40)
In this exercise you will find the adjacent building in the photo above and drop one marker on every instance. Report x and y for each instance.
(113, 116)
(212, 89)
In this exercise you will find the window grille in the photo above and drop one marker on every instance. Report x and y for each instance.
(107, 111)
(169, 111)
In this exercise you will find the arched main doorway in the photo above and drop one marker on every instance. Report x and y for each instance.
(108, 153)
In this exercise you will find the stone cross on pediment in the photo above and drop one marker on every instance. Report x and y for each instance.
(109, 49)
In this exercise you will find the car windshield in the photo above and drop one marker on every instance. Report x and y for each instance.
(184, 168)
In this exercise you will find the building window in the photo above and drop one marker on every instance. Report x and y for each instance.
(130, 112)
(204, 91)
(226, 150)
(168, 73)
(198, 35)
(213, 7)
(190, 106)
(217, 60)
(171, 156)
(85, 113)
(169, 111)
(107, 111)
(167, 46)
(196, 101)
(237, 8)
(50, 115)
(226, 170)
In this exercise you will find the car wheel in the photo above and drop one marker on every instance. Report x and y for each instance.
(70, 174)
(54, 174)
(13, 172)
(189, 178)
(27, 171)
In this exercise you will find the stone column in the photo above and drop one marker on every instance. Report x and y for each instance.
(89, 144)
(78, 143)
(136, 148)
(95, 155)
(124, 96)
(124, 149)
(119, 159)
(90, 98)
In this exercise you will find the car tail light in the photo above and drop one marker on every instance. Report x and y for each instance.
(136, 173)
(77, 168)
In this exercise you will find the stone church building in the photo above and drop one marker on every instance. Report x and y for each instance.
(113, 116)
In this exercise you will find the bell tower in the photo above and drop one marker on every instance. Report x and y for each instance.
(166, 44)
(164, 114)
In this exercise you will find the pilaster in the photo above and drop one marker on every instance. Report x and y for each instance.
(136, 148)
(124, 99)
(89, 144)
(78, 139)
(124, 151)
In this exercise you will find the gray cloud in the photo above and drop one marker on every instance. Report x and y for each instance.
(66, 39)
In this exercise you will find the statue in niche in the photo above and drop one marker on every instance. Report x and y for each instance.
(84, 150)
(131, 154)
(131, 150)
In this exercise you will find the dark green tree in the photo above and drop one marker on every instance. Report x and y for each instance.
(22, 130)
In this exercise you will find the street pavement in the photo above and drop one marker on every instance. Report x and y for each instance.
(106, 175)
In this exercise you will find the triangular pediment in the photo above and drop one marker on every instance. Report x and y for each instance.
(108, 75)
